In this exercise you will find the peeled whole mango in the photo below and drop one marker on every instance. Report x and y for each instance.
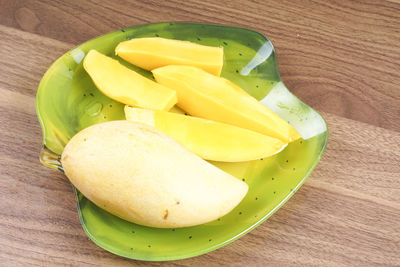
(125, 85)
(204, 95)
(140, 174)
(154, 52)
(208, 139)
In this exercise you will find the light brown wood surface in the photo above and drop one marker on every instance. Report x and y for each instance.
(341, 57)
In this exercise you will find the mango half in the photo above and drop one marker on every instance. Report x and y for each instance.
(207, 96)
(124, 85)
(142, 175)
(151, 53)
(209, 140)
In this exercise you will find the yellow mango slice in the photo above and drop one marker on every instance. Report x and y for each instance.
(151, 53)
(142, 175)
(124, 85)
(209, 139)
(204, 95)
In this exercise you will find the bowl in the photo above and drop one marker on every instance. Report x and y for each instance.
(67, 101)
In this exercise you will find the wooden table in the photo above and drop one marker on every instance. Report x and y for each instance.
(341, 57)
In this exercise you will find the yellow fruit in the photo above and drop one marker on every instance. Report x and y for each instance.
(209, 139)
(142, 175)
(124, 85)
(151, 53)
(204, 95)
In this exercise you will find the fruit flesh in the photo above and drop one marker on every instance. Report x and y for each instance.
(209, 139)
(204, 95)
(140, 174)
(151, 53)
(125, 85)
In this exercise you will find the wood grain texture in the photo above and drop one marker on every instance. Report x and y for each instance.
(342, 57)
(338, 56)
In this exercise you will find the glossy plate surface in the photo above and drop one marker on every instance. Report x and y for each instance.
(67, 101)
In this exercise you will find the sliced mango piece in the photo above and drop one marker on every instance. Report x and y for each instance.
(207, 96)
(142, 175)
(209, 139)
(124, 85)
(151, 53)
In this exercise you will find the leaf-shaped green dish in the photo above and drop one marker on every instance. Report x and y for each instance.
(67, 101)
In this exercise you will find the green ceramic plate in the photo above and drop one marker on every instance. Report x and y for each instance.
(67, 101)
